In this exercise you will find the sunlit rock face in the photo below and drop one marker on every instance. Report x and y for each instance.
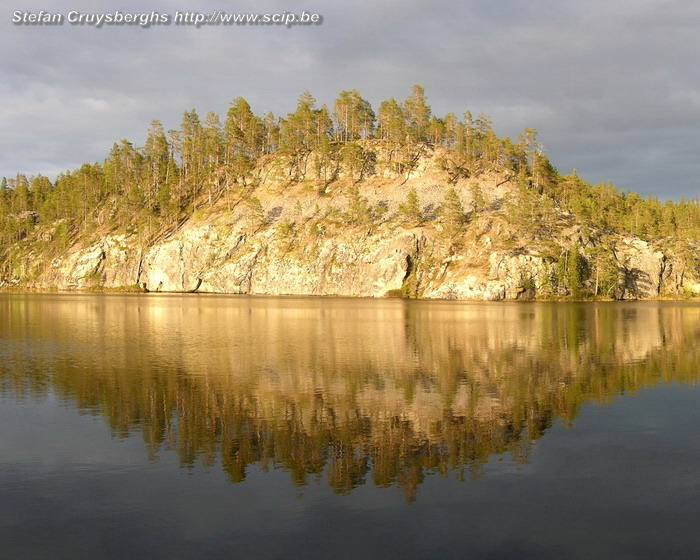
(354, 239)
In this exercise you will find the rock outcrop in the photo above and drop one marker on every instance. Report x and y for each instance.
(354, 239)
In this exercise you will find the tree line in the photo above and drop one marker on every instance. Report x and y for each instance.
(149, 187)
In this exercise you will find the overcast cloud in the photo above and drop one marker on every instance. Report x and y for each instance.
(612, 87)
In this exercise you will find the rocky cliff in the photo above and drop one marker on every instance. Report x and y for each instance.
(282, 235)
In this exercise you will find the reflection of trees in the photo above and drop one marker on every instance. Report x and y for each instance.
(350, 390)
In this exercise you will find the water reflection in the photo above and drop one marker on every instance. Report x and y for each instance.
(350, 390)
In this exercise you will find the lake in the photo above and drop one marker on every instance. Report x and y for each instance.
(204, 426)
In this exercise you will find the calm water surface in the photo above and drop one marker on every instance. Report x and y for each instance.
(156, 426)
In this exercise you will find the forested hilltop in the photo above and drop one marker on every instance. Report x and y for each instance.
(343, 201)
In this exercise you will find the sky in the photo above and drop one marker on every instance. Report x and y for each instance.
(613, 88)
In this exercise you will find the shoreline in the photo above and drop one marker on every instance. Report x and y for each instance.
(134, 290)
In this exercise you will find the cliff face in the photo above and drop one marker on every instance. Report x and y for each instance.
(344, 238)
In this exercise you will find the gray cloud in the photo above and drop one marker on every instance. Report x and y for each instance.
(611, 87)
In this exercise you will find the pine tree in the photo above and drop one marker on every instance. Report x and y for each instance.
(575, 272)
(353, 160)
(192, 153)
(478, 199)
(212, 153)
(450, 133)
(353, 117)
(270, 134)
(417, 114)
(411, 207)
(40, 188)
(359, 211)
(453, 211)
(300, 130)
(392, 122)
(244, 133)
(157, 156)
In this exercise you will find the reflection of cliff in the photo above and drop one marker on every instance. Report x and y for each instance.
(383, 390)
